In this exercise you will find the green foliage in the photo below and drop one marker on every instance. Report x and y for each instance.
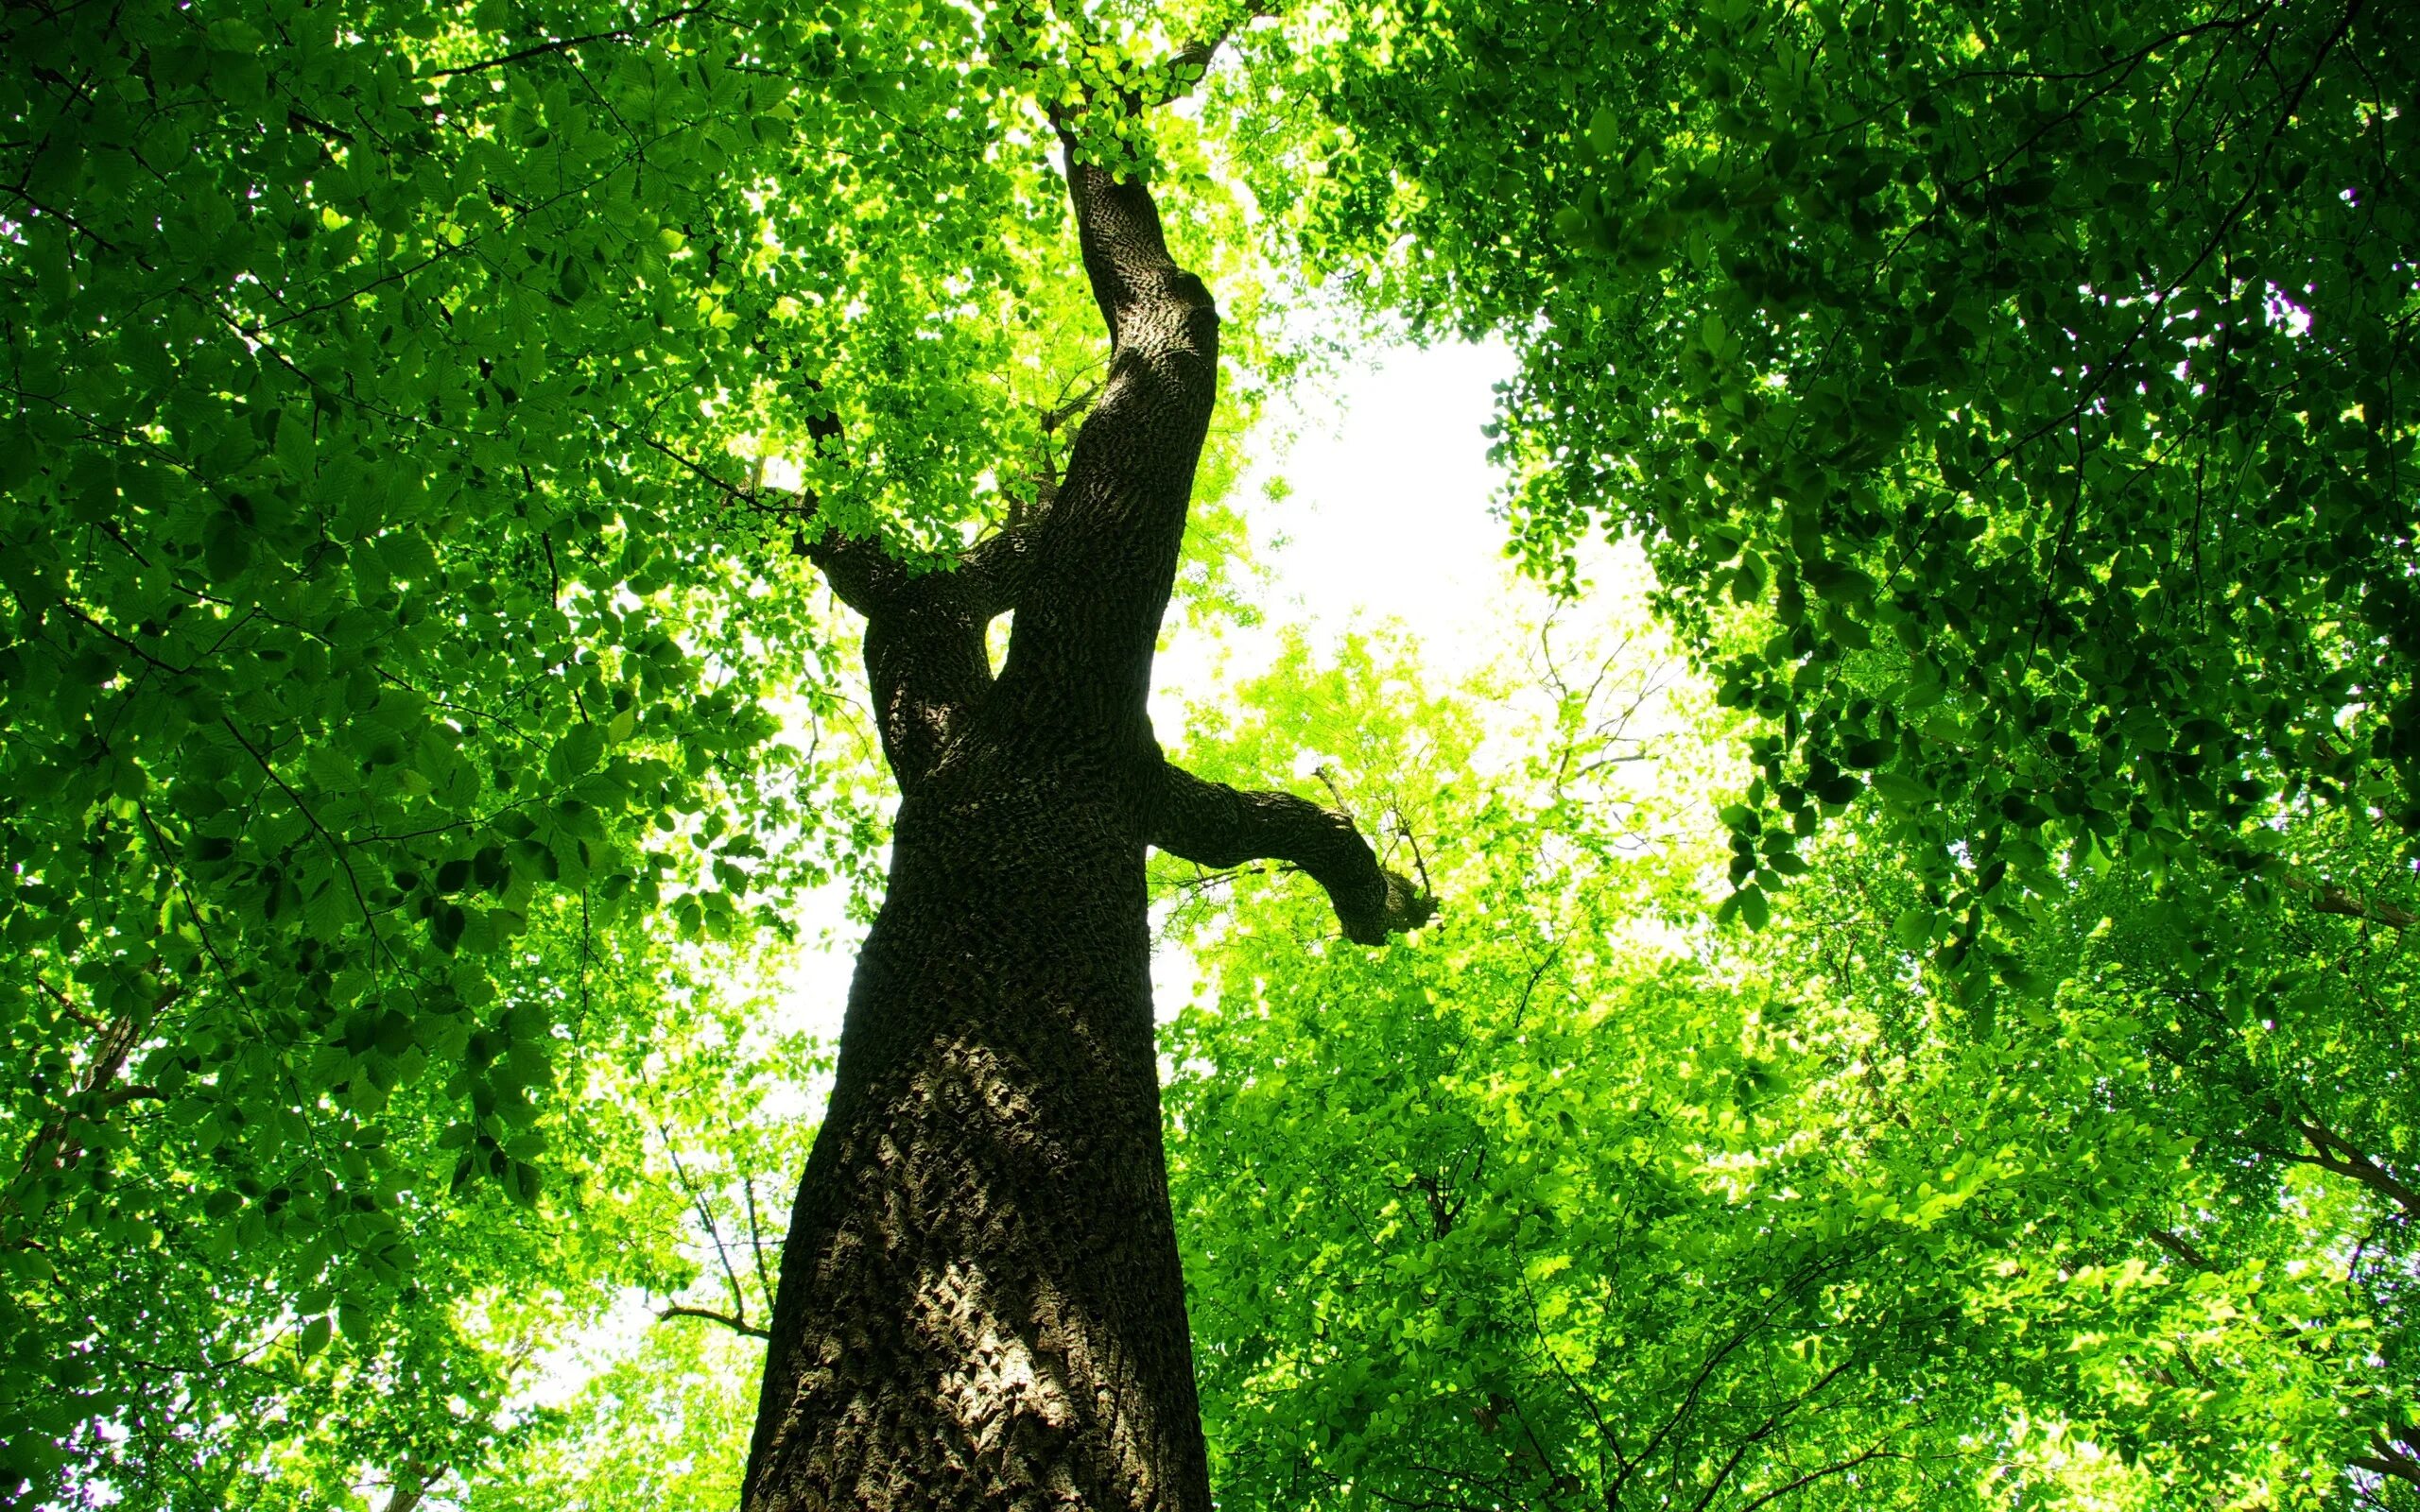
(389, 626)
(664, 1428)
(2006, 392)
(413, 412)
(412, 718)
(1566, 1201)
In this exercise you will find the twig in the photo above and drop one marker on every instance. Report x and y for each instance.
(736, 1325)
(567, 44)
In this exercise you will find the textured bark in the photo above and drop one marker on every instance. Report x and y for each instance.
(980, 1304)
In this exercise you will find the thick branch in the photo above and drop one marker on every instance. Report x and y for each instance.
(2390, 1458)
(407, 1495)
(55, 1145)
(1126, 254)
(2333, 898)
(928, 668)
(2182, 1249)
(995, 570)
(1090, 579)
(1220, 826)
(864, 575)
(567, 44)
(925, 663)
(1104, 560)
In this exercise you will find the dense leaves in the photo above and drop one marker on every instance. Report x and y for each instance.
(1566, 1202)
(389, 620)
(2034, 373)
(413, 413)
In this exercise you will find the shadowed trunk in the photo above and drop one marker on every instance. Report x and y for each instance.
(980, 1304)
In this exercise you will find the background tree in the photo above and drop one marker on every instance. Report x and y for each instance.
(1574, 1203)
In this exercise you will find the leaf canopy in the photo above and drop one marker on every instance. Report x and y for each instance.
(2007, 392)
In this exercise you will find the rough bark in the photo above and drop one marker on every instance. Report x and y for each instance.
(980, 1303)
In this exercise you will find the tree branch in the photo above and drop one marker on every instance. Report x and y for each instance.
(1838, 1467)
(2332, 1153)
(736, 1325)
(1215, 825)
(1103, 558)
(406, 1496)
(2332, 898)
(55, 1145)
(995, 570)
(2178, 1245)
(925, 662)
(566, 44)
(1125, 251)
(1169, 80)
(2390, 1459)
(2335, 898)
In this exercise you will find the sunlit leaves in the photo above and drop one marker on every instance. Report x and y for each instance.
(2025, 363)
(389, 625)
(1551, 1202)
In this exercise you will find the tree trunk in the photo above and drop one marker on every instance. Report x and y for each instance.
(980, 1303)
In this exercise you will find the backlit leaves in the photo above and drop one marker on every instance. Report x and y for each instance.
(2026, 369)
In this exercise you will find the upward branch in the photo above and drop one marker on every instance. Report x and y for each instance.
(1090, 579)
(1096, 577)
(1124, 251)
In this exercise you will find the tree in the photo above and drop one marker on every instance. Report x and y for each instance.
(370, 645)
(371, 615)
(423, 422)
(980, 1295)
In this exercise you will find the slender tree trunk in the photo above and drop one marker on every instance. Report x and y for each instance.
(980, 1303)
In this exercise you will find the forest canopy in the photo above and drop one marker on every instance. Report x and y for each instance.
(1888, 987)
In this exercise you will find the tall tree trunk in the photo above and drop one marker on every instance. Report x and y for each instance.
(980, 1303)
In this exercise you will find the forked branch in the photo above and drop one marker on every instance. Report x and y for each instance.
(925, 664)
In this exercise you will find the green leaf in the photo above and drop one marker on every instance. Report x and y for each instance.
(1753, 909)
(1902, 790)
(227, 550)
(576, 753)
(1605, 132)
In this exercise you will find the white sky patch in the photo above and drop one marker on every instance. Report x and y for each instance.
(1388, 518)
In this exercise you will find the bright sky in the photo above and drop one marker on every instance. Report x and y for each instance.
(1389, 516)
